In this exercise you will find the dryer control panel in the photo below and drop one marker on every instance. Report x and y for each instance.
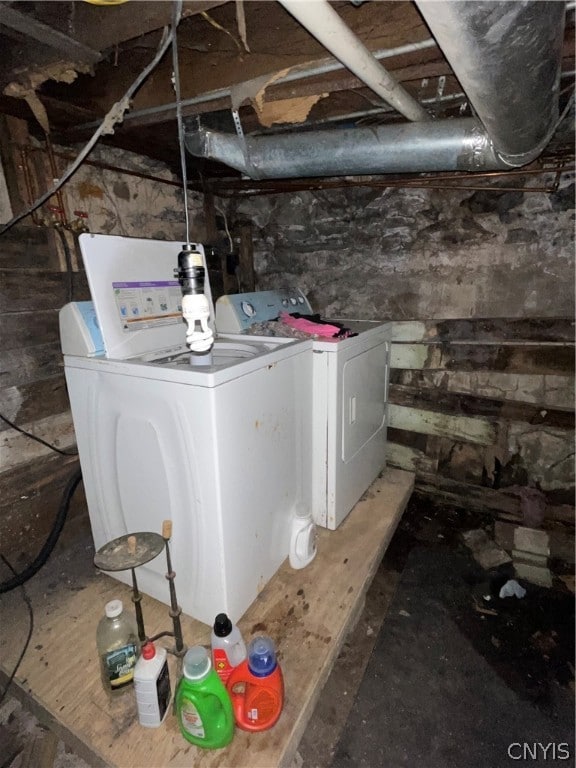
(238, 311)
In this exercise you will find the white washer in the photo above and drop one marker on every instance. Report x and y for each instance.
(215, 449)
(350, 399)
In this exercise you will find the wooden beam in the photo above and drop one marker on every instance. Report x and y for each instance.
(533, 359)
(25, 247)
(470, 430)
(29, 498)
(223, 65)
(465, 494)
(23, 366)
(471, 496)
(37, 289)
(490, 330)
(35, 478)
(17, 448)
(13, 131)
(26, 403)
(27, 329)
(103, 27)
(42, 33)
(542, 391)
(405, 457)
(455, 403)
(246, 258)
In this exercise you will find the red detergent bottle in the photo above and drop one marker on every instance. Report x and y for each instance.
(256, 687)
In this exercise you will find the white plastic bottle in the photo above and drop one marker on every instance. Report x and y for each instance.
(228, 647)
(302, 540)
(152, 685)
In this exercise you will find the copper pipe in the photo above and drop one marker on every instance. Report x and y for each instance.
(54, 172)
(382, 180)
(414, 185)
(108, 167)
(247, 189)
(250, 188)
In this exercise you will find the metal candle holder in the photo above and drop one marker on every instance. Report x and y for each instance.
(132, 550)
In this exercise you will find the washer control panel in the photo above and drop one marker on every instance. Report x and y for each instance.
(238, 311)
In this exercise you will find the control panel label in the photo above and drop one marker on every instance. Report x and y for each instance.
(148, 304)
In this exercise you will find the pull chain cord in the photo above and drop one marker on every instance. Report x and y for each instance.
(195, 306)
(176, 20)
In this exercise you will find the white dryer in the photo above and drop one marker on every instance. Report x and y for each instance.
(348, 427)
(214, 448)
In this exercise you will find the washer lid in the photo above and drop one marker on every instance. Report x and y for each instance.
(136, 295)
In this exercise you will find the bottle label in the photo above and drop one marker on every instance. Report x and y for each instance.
(119, 665)
(262, 705)
(191, 720)
(221, 664)
(163, 690)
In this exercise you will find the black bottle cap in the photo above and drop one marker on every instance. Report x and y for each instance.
(222, 625)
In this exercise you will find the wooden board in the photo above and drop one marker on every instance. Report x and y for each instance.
(307, 613)
(532, 359)
(457, 403)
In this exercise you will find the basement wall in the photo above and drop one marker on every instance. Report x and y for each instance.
(34, 284)
(480, 286)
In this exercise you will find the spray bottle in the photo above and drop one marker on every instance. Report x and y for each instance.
(256, 687)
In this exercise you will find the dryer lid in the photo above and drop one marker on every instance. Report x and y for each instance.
(136, 295)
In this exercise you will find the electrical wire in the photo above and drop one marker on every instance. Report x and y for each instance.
(38, 439)
(221, 212)
(115, 115)
(176, 68)
(28, 638)
(46, 549)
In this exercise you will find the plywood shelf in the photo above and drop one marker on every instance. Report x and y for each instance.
(308, 614)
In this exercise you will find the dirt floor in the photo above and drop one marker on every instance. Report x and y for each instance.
(528, 643)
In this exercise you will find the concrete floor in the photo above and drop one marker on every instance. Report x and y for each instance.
(422, 525)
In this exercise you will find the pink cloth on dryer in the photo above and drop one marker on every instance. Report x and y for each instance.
(316, 329)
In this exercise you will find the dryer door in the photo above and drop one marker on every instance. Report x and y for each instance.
(357, 447)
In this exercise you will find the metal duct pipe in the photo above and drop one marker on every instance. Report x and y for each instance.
(447, 145)
(507, 57)
(322, 21)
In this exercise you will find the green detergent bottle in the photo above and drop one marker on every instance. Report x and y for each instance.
(203, 706)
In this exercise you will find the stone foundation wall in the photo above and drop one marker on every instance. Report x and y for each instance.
(427, 255)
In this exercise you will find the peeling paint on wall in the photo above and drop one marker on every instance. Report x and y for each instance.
(120, 204)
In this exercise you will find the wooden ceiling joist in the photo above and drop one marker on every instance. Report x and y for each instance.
(25, 24)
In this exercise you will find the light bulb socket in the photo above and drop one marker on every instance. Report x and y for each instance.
(190, 275)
